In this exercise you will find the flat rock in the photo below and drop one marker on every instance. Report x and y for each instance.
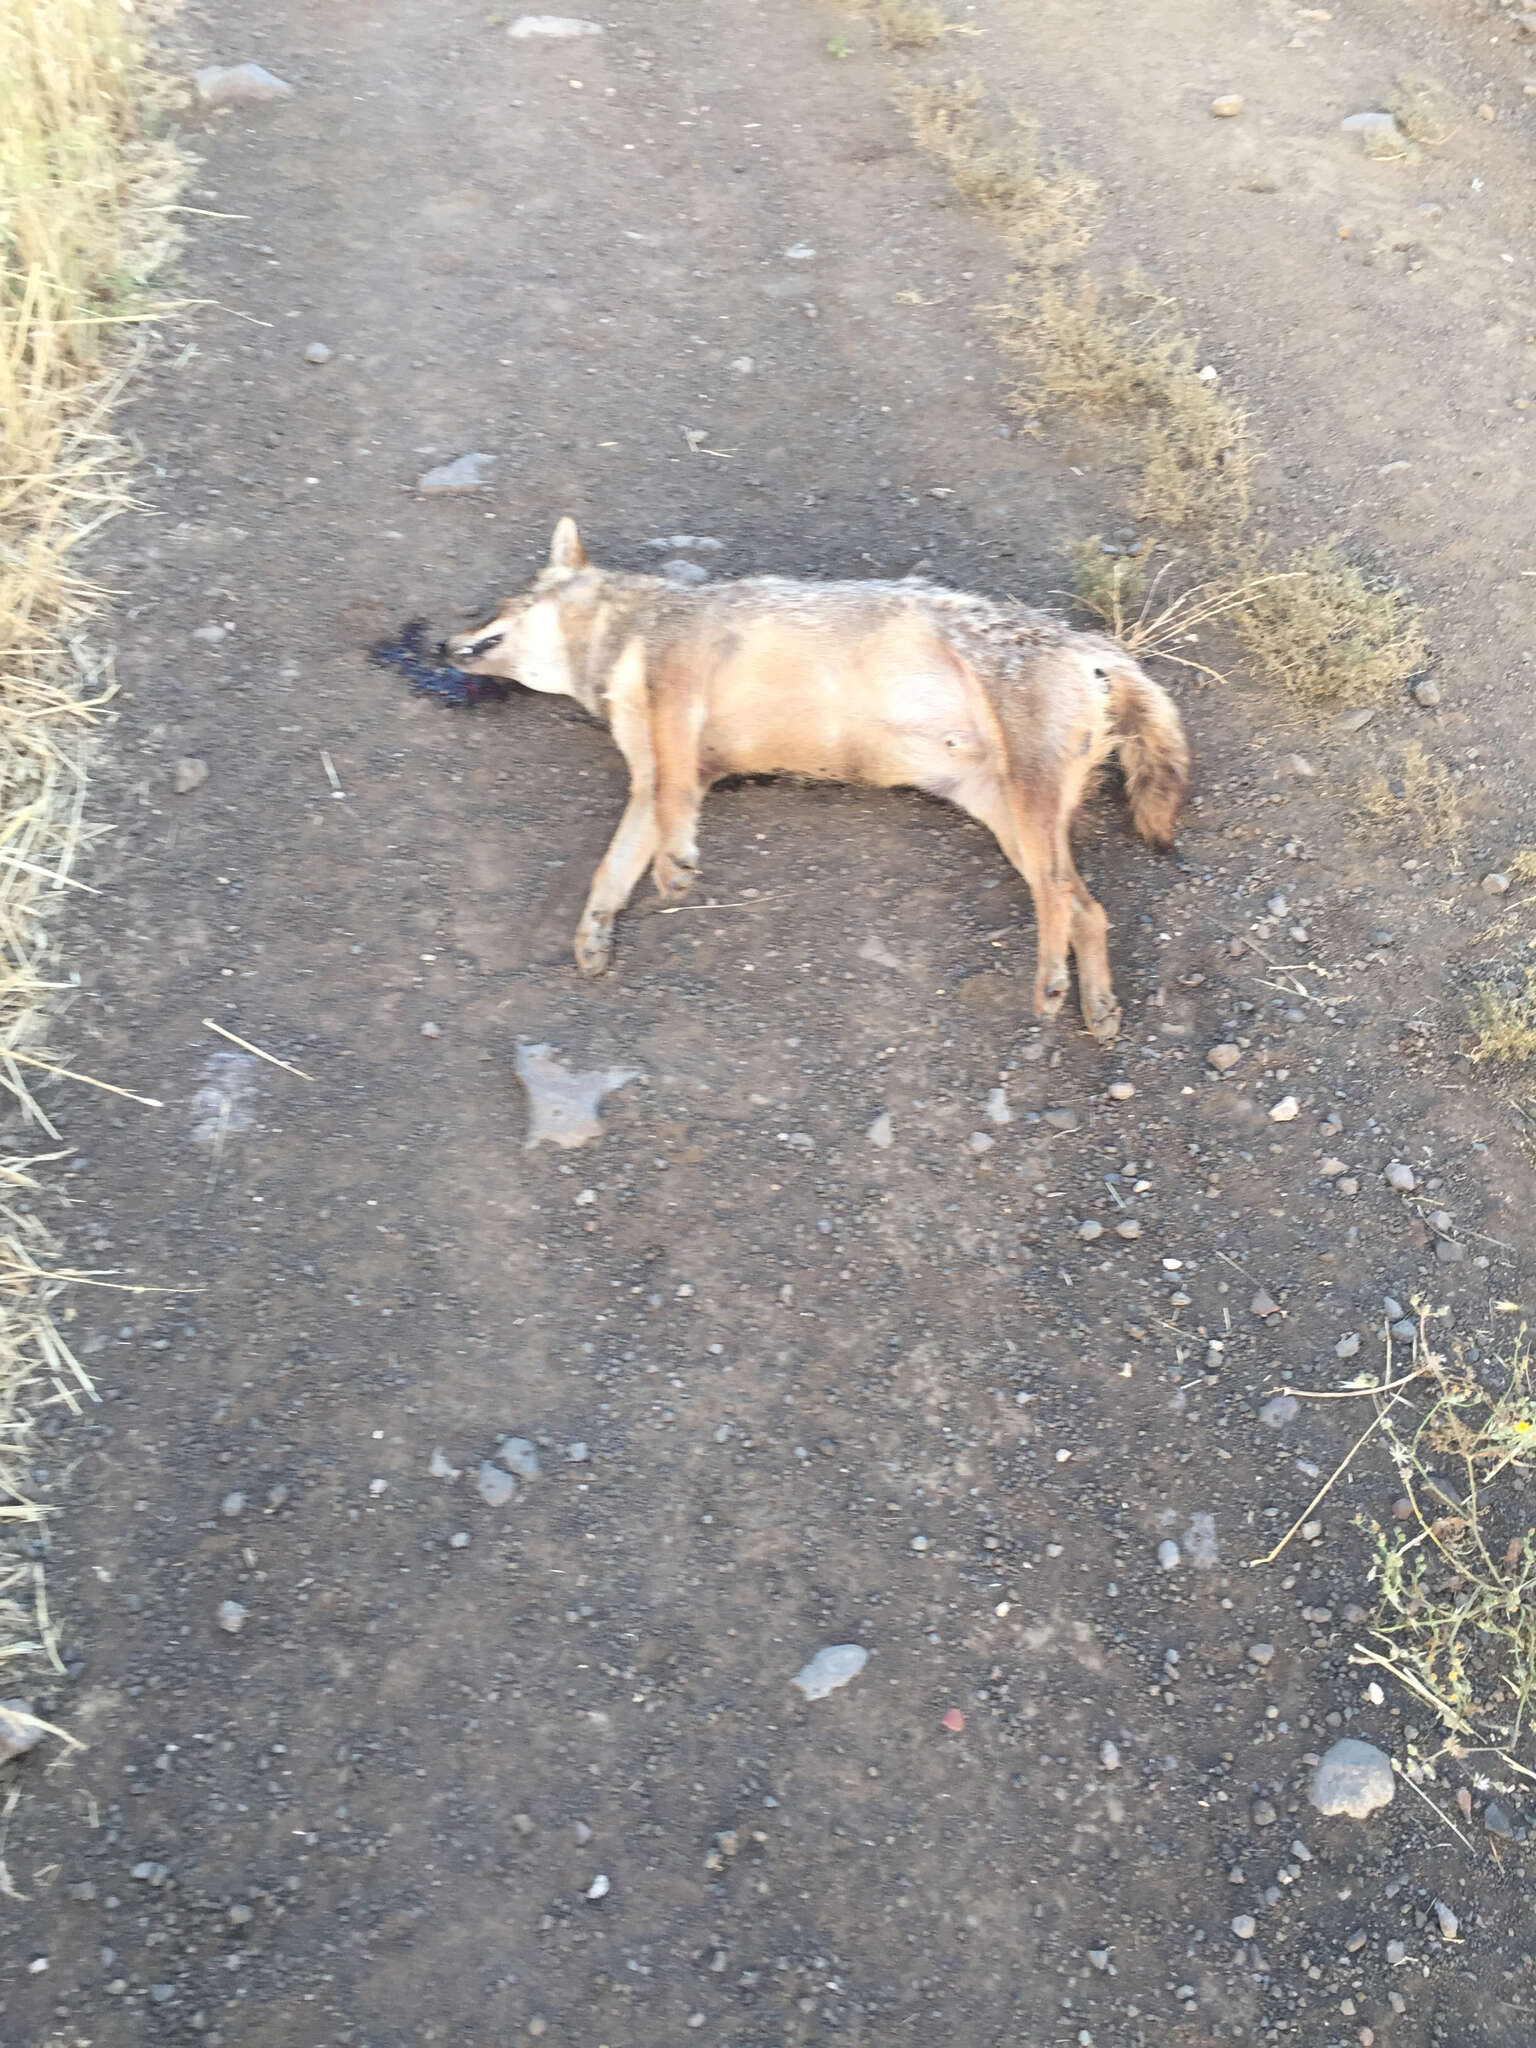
(20, 1729)
(835, 1666)
(1354, 1777)
(225, 85)
(464, 473)
(230, 1616)
(1223, 1057)
(558, 27)
(1373, 123)
(882, 1132)
(188, 774)
(494, 1486)
(520, 1456)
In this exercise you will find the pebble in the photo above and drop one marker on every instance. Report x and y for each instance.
(231, 1505)
(1263, 1813)
(1357, 721)
(1405, 1330)
(494, 1486)
(558, 26)
(431, 1030)
(1109, 1756)
(188, 774)
(230, 1616)
(1354, 1777)
(1276, 1413)
(150, 1873)
(1494, 885)
(1348, 1186)
(1263, 1305)
(222, 85)
(464, 473)
(519, 1456)
(1285, 1111)
(1401, 1177)
(1397, 1952)
(1168, 1555)
(20, 1730)
(210, 636)
(882, 1132)
(1245, 1927)
(440, 1468)
(1120, 1091)
(1369, 124)
(1262, 1653)
(997, 1106)
(1496, 1820)
(836, 1665)
(1448, 1252)
(577, 1453)
(599, 1888)
(686, 575)
(317, 353)
(459, 1540)
(1223, 1057)
(980, 1141)
(1090, 1229)
(1449, 1924)
(1347, 1346)
(1226, 106)
(1062, 1119)
(1099, 1957)
(1130, 1228)
(1331, 1169)
(1426, 692)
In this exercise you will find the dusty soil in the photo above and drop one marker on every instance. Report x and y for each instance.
(827, 1392)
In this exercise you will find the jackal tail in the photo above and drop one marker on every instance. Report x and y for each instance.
(1154, 752)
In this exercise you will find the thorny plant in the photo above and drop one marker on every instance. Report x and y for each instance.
(1456, 1570)
(1134, 608)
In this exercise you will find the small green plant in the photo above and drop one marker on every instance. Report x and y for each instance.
(837, 47)
(1456, 1570)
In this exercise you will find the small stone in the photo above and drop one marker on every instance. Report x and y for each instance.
(577, 1453)
(1090, 1229)
(1168, 1555)
(559, 27)
(1099, 1957)
(1369, 124)
(494, 1486)
(20, 1729)
(1223, 1057)
(1397, 1952)
(1263, 1814)
(1494, 885)
(1301, 767)
(231, 1505)
(1496, 1820)
(519, 1456)
(1401, 1177)
(1406, 1330)
(150, 1873)
(882, 1132)
(440, 1468)
(431, 1030)
(188, 774)
(464, 473)
(1120, 1091)
(223, 85)
(979, 1142)
(459, 1540)
(1263, 1305)
(599, 1888)
(1262, 1653)
(1285, 1111)
(1426, 692)
(1276, 1413)
(1358, 720)
(1062, 1119)
(1347, 1346)
(317, 353)
(997, 1106)
(836, 1665)
(240, 1915)
(686, 575)
(522, 1823)
(230, 1616)
(209, 636)
(1227, 106)
(1244, 1926)
(1331, 1169)
(1129, 1229)
(1354, 1777)
(1348, 1186)
(1448, 1252)
(1450, 1926)
(1109, 1756)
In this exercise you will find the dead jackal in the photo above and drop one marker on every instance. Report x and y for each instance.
(1003, 710)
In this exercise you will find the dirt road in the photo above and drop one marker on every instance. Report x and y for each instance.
(469, 1773)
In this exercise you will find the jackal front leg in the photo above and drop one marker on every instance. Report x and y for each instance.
(677, 723)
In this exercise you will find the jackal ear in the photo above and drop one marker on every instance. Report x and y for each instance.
(566, 550)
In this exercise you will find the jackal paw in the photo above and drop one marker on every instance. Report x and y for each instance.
(594, 946)
(1050, 992)
(674, 876)
(1102, 1016)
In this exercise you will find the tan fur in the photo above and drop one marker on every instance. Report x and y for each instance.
(1003, 710)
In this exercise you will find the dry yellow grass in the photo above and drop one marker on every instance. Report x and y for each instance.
(1326, 632)
(83, 222)
(1422, 793)
(1503, 1021)
(1046, 213)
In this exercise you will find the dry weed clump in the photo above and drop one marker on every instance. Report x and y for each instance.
(909, 24)
(1456, 1570)
(1423, 794)
(1325, 632)
(1424, 111)
(84, 210)
(1503, 1021)
(1046, 213)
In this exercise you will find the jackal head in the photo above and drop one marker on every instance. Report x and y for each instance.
(525, 642)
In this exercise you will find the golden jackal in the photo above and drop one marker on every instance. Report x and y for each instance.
(1003, 710)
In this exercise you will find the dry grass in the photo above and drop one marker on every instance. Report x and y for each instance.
(1423, 793)
(909, 24)
(1424, 111)
(1046, 213)
(1503, 1020)
(83, 222)
(1456, 1619)
(1325, 632)
(1131, 373)
(1150, 619)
